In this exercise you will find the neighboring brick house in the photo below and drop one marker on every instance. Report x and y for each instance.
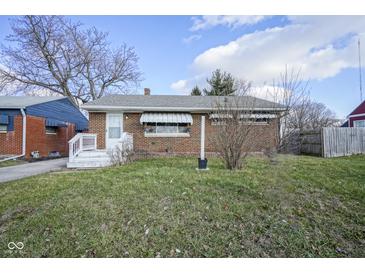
(44, 124)
(357, 117)
(171, 124)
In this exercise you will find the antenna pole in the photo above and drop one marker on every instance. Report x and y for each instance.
(360, 77)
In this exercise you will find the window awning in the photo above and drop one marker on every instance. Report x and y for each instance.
(55, 123)
(81, 127)
(257, 116)
(4, 119)
(153, 117)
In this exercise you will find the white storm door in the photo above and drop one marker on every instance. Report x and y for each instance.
(114, 129)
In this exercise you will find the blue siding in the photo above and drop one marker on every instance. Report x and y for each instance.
(4, 119)
(10, 113)
(11, 123)
(62, 110)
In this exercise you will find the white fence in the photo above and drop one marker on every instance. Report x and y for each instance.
(333, 141)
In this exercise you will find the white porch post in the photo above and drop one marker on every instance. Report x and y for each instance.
(202, 138)
(81, 143)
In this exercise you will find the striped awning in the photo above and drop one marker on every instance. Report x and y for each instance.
(153, 117)
(4, 119)
(55, 123)
(253, 115)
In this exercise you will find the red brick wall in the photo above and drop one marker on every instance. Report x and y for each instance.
(97, 123)
(262, 136)
(11, 142)
(37, 139)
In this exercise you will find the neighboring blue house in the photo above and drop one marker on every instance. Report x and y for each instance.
(41, 126)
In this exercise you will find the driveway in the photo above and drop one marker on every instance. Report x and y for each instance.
(22, 171)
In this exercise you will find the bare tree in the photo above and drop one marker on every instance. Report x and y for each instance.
(321, 116)
(234, 120)
(311, 115)
(290, 91)
(55, 54)
(122, 153)
(300, 112)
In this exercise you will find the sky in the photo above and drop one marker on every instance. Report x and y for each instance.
(179, 52)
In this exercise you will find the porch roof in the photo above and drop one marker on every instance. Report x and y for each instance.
(149, 117)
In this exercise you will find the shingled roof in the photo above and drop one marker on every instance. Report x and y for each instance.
(173, 103)
(17, 102)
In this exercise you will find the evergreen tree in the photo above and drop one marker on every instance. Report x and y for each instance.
(196, 91)
(220, 84)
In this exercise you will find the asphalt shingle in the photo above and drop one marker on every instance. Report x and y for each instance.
(25, 101)
(175, 101)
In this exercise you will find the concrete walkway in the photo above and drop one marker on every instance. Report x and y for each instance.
(22, 171)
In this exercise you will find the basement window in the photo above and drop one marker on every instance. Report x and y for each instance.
(3, 128)
(51, 130)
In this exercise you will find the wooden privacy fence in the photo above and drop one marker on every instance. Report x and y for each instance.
(310, 142)
(333, 141)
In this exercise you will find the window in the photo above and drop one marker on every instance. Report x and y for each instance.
(51, 130)
(253, 121)
(257, 121)
(6, 123)
(3, 128)
(166, 129)
(359, 123)
(114, 126)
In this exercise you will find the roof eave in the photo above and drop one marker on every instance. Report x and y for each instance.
(179, 109)
(12, 107)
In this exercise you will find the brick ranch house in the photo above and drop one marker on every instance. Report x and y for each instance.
(170, 124)
(30, 124)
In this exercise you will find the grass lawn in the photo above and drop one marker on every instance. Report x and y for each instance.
(12, 163)
(297, 207)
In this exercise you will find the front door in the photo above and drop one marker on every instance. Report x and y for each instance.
(114, 129)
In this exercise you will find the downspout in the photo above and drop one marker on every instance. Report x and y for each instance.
(24, 132)
(24, 139)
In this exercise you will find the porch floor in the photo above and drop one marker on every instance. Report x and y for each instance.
(90, 159)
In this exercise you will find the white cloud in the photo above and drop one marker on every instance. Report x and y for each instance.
(321, 46)
(232, 21)
(191, 38)
(268, 92)
(180, 86)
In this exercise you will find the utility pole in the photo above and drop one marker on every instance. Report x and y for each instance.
(360, 77)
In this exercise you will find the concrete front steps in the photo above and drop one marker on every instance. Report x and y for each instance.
(90, 159)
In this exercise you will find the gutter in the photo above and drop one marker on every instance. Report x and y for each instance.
(24, 131)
